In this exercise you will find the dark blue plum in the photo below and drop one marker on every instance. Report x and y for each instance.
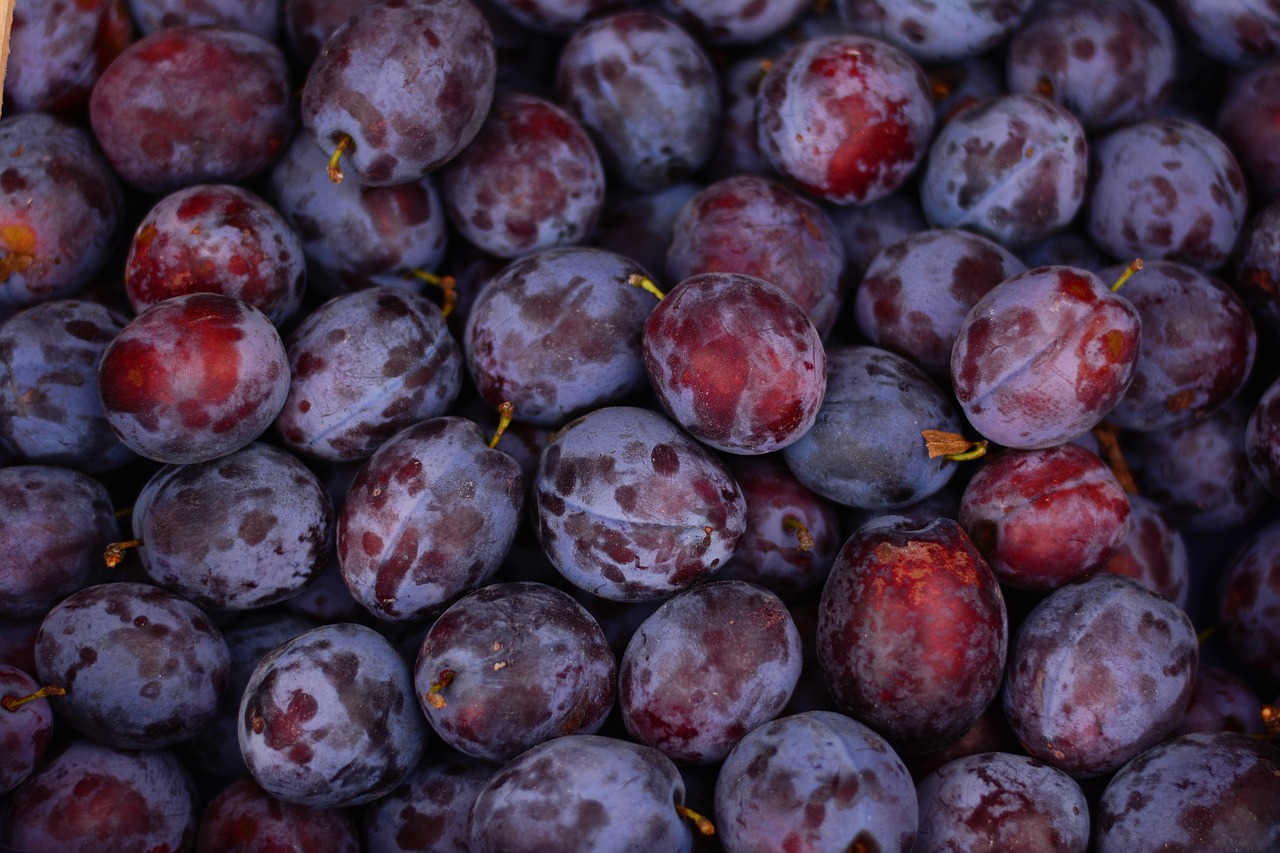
(54, 525)
(630, 508)
(1166, 189)
(708, 666)
(1012, 168)
(363, 367)
(246, 530)
(865, 448)
(512, 665)
(356, 236)
(648, 93)
(430, 516)
(582, 794)
(1000, 801)
(1098, 672)
(142, 667)
(815, 781)
(558, 333)
(917, 291)
(1110, 62)
(60, 208)
(328, 719)
(401, 88)
(1202, 791)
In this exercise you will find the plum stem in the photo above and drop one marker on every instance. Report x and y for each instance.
(344, 144)
(13, 703)
(705, 826)
(447, 283)
(646, 284)
(952, 446)
(1108, 437)
(124, 513)
(1204, 636)
(506, 411)
(432, 697)
(1133, 267)
(1271, 719)
(115, 551)
(804, 537)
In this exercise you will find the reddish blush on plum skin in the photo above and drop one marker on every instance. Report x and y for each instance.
(1044, 356)
(912, 631)
(1044, 518)
(736, 362)
(194, 378)
(846, 118)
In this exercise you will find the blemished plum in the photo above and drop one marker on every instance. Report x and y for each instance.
(162, 110)
(558, 333)
(328, 719)
(356, 236)
(1249, 602)
(582, 794)
(1000, 801)
(50, 410)
(865, 448)
(142, 667)
(243, 818)
(429, 810)
(26, 725)
(647, 92)
(1201, 791)
(632, 509)
(1044, 356)
(1166, 189)
(531, 179)
(917, 291)
(846, 118)
(194, 378)
(757, 226)
(246, 530)
(216, 238)
(815, 781)
(1154, 553)
(1044, 518)
(363, 367)
(1199, 473)
(1255, 268)
(1246, 121)
(1110, 62)
(512, 665)
(1195, 351)
(1012, 167)
(792, 533)
(89, 793)
(60, 208)
(1098, 672)
(430, 516)
(889, 655)
(736, 362)
(58, 48)
(260, 17)
(936, 32)
(54, 523)
(741, 642)
(400, 88)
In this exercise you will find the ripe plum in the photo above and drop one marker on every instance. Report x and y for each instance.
(243, 818)
(1249, 602)
(26, 725)
(936, 32)
(58, 48)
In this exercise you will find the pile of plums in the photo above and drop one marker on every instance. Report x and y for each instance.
(640, 425)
